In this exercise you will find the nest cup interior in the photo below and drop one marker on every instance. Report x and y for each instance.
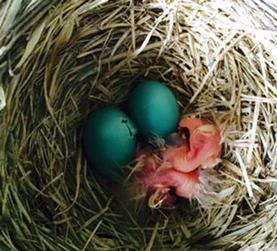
(82, 56)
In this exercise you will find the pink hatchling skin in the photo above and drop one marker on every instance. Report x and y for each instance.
(184, 184)
(179, 167)
(202, 149)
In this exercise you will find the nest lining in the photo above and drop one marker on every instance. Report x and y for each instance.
(78, 56)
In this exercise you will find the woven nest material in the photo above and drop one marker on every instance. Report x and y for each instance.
(60, 60)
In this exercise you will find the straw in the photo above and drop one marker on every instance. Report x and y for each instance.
(61, 60)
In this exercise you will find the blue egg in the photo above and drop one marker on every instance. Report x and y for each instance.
(154, 109)
(110, 139)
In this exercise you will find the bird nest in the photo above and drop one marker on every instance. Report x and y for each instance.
(60, 60)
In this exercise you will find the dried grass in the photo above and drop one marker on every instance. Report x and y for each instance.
(61, 60)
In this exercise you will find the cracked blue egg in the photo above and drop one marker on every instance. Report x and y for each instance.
(109, 139)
